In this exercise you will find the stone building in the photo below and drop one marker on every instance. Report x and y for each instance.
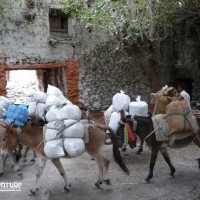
(87, 66)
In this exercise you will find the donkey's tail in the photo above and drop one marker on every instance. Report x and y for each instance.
(116, 153)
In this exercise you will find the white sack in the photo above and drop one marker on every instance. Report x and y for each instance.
(54, 149)
(52, 134)
(40, 111)
(58, 125)
(70, 112)
(52, 90)
(69, 122)
(55, 100)
(74, 146)
(4, 102)
(38, 96)
(107, 114)
(120, 101)
(36, 110)
(53, 114)
(114, 121)
(139, 108)
(31, 109)
(74, 131)
(2, 112)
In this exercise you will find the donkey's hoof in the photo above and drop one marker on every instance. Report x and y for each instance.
(198, 160)
(146, 180)
(66, 188)
(137, 153)
(107, 181)
(33, 192)
(172, 174)
(97, 184)
(20, 175)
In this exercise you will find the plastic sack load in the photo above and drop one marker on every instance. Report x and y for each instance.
(53, 114)
(53, 100)
(138, 107)
(4, 103)
(55, 97)
(120, 101)
(52, 134)
(36, 110)
(54, 149)
(57, 125)
(74, 131)
(38, 96)
(114, 121)
(70, 112)
(74, 146)
(52, 90)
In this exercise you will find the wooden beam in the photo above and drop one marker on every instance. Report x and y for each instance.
(34, 66)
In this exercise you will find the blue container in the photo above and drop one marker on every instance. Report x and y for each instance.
(17, 114)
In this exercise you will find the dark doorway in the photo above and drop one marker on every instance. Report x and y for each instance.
(188, 83)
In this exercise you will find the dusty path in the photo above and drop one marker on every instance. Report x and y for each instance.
(82, 173)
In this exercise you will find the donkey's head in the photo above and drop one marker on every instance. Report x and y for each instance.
(11, 141)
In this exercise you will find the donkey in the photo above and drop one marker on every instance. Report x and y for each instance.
(145, 129)
(33, 138)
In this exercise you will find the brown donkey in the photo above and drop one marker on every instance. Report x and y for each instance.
(33, 138)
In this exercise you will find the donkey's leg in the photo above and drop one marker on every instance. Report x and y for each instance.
(25, 154)
(16, 166)
(34, 156)
(141, 145)
(41, 162)
(197, 143)
(3, 158)
(61, 170)
(154, 154)
(167, 159)
(103, 164)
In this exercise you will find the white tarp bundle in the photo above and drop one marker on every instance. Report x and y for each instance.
(55, 97)
(4, 103)
(74, 146)
(120, 101)
(36, 108)
(74, 131)
(70, 112)
(63, 122)
(107, 115)
(53, 114)
(114, 121)
(138, 107)
(54, 149)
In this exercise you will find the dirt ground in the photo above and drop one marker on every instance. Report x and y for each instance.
(82, 174)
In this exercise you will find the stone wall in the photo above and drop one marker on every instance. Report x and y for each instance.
(105, 72)
(103, 69)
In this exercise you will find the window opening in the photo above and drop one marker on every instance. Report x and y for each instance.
(58, 21)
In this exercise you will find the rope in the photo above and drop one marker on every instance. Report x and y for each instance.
(40, 144)
(184, 113)
(151, 132)
(154, 129)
